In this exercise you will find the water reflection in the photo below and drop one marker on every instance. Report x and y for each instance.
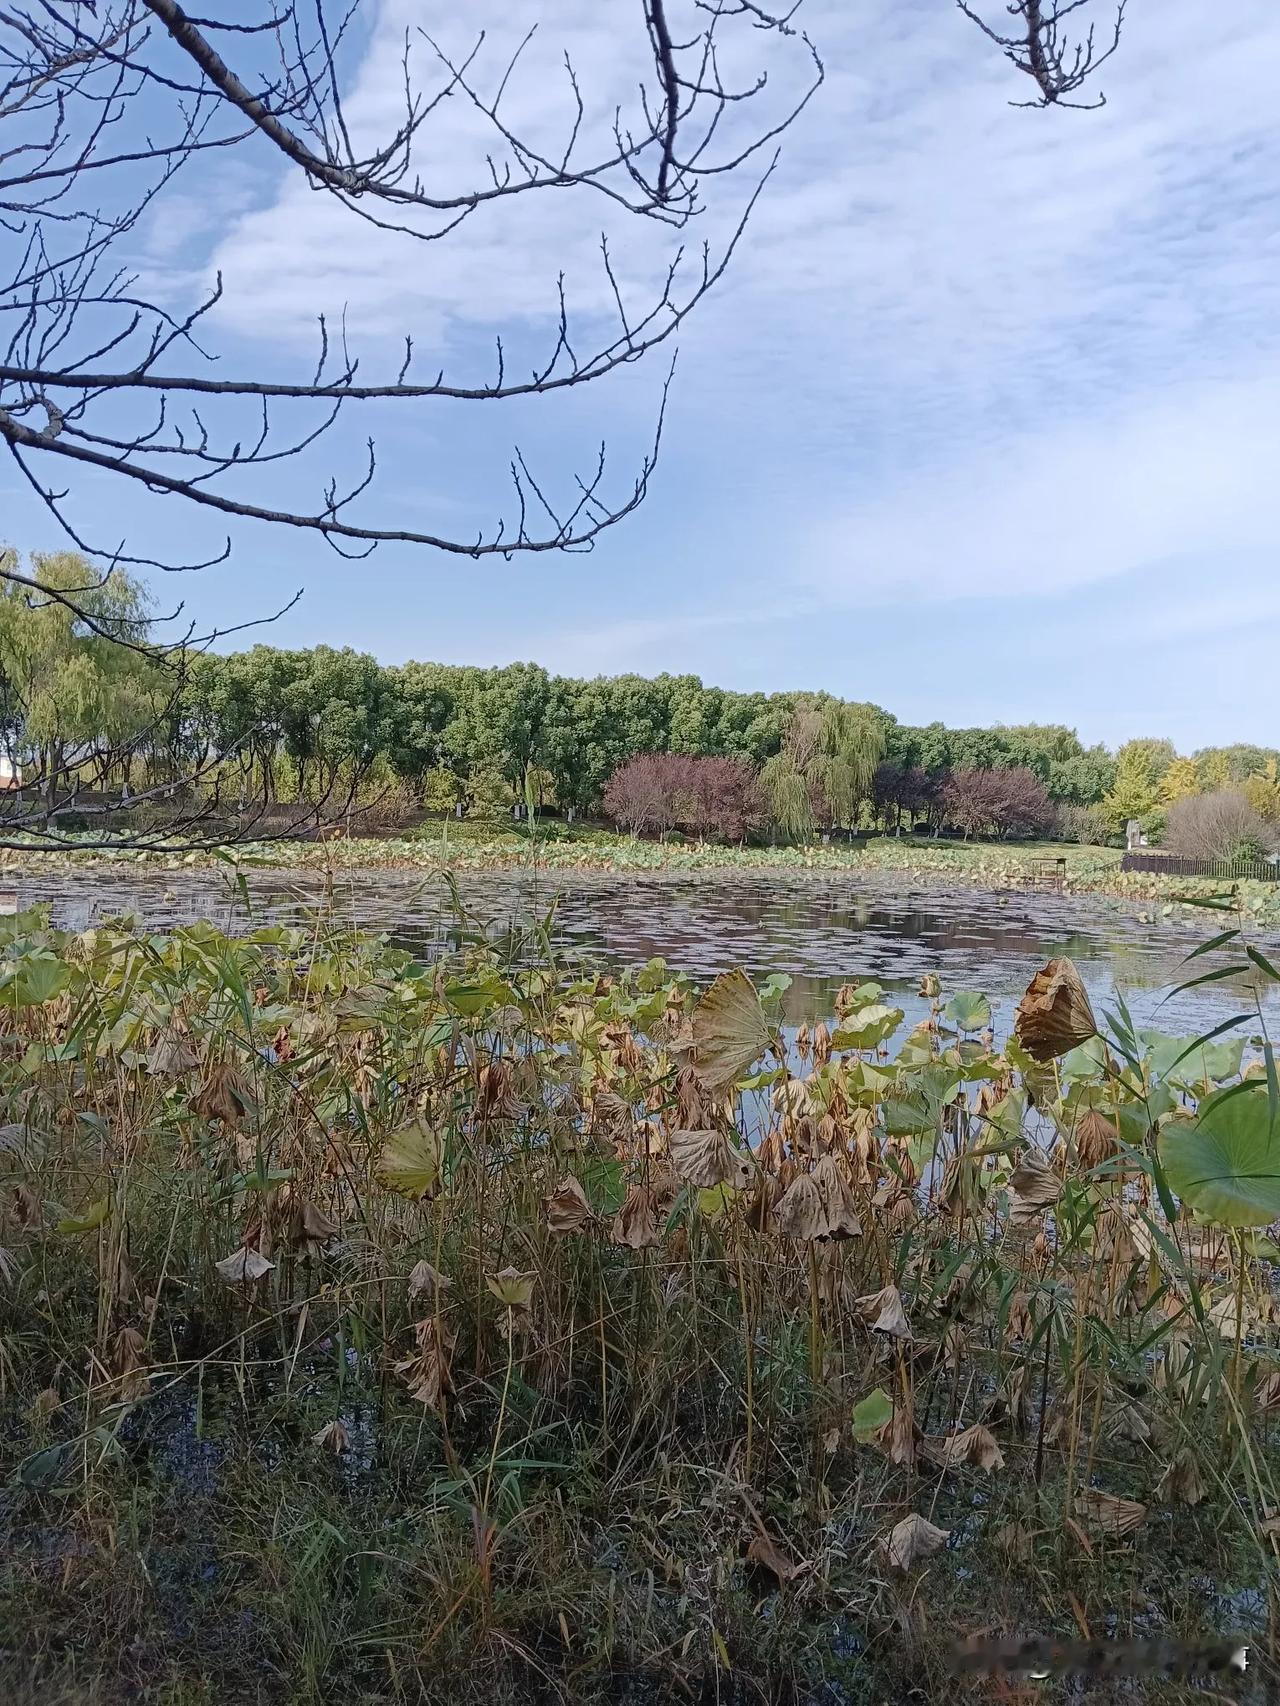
(821, 930)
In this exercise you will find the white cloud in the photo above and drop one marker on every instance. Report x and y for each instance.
(1188, 471)
(994, 351)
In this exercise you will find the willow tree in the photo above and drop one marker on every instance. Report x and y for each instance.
(826, 770)
(80, 696)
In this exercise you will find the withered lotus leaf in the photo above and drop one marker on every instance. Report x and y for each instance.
(568, 1210)
(913, 1538)
(1054, 1016)
(730, 1031)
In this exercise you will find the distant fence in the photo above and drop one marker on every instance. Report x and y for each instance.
(1225, 870)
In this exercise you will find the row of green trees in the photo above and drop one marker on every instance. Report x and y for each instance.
(460, 733)
(296, 723)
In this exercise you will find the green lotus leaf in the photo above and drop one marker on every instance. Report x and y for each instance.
(1226, 1165)
(968, 1010)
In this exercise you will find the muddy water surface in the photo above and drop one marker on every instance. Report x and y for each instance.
(822, 930)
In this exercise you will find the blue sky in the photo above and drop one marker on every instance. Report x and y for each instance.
(984, 425)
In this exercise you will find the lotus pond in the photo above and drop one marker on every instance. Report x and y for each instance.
(454, 1321)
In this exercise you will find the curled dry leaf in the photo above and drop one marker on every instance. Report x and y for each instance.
(976, 1446)
(638, 1223)
(818, 1205)
(838, 1210)
(1054, 1016)
(1225, 1314)
(243, 1266)
(766, 1551)
(703, 1158)
(900, 1439)
(821, 1043)
(1097, 1140)
(171, 1055)
(1182, 1483)
(223, 1096)
(953, 1346)
(568, 1210)
(611, 1114)
(730, 1031)
(426, 1372)
(694, 1108)
(913, 1538)
(1128, 1423)
(798, 1213)
(1033, 1187)
(1119, 1237)
(310, 1228)
(884, 1313)
(1266, 1394)
(427, 1282)
(1108, 1514)
(762, 1205)
(129, 1362)
(496, 1097)
(332, 1437)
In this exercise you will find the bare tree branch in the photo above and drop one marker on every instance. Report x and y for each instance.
(97, 375)
(1040, 50)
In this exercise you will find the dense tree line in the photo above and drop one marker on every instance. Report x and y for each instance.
(297, 724)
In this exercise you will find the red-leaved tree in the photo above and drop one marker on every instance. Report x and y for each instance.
(997, 802)
(660, 791)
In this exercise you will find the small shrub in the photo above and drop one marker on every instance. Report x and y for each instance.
(1086, 825)
(490, 796)
(1222, 825)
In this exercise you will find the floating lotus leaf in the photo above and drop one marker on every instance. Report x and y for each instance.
(868, 1027)
(968, 1010)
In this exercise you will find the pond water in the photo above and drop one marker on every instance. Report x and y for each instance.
(822, 930)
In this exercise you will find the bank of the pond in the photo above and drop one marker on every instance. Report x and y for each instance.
(479, 847)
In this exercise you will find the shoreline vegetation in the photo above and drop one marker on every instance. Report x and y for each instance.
(483, 846)
(374, 1330)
